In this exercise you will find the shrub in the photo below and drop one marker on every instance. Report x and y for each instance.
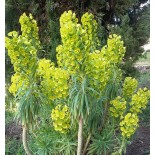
(85, 91)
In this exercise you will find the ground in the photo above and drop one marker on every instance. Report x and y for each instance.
(141, 145)
(13, 130)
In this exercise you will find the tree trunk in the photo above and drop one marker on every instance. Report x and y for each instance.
(79, 149)
(86, 145)
(24, 136)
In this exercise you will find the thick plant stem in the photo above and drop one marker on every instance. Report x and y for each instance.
(79, 148)
(86, 145)
(24, 136)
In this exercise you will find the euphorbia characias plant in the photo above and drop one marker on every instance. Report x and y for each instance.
(86, 87)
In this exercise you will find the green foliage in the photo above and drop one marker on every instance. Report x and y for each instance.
(134, 37)
(54, 142)
(144, 80)
(8, 116)
(142, 27)
(102, 143)
(14, 146)
(67, 145)
(144, 117)
(28, 105)
(45, 144)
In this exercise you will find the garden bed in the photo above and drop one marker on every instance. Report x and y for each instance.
(140, 145)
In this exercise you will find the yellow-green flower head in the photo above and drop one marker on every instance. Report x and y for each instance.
(22, 58)
(129, 125)
(44, 67)
(29, 29)
(114, 51)
(54, 81)
(61, 118)
(22, 50)
(69, 54)
(68, 27)
(18, 82)
(129, 86)
(100, 70)
(97, 69)
(90, 26)
(77, 40)
(139, 100)
(67, 17)
(118, 106)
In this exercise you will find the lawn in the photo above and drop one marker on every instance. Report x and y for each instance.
(144, 60)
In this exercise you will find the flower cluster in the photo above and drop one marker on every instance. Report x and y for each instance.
(139, 100)
(90, 26)
(114, 51)
(100, 65)
(129, 86)
(22, 53)
(54, 81)
(118, 106)
(18, 82)
(129, 125)
(77, 40)
(69, 54)
(29, 29)
(61, 118)
(22, 50)
(78, 49)
(98, 70)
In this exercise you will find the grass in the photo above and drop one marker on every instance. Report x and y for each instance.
(14, 147)
(144, 60)
(8, 117)
(144, 81)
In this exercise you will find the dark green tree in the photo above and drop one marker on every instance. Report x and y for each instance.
(135, 33)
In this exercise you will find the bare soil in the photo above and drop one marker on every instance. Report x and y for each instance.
(13, 131)
(141, 145)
